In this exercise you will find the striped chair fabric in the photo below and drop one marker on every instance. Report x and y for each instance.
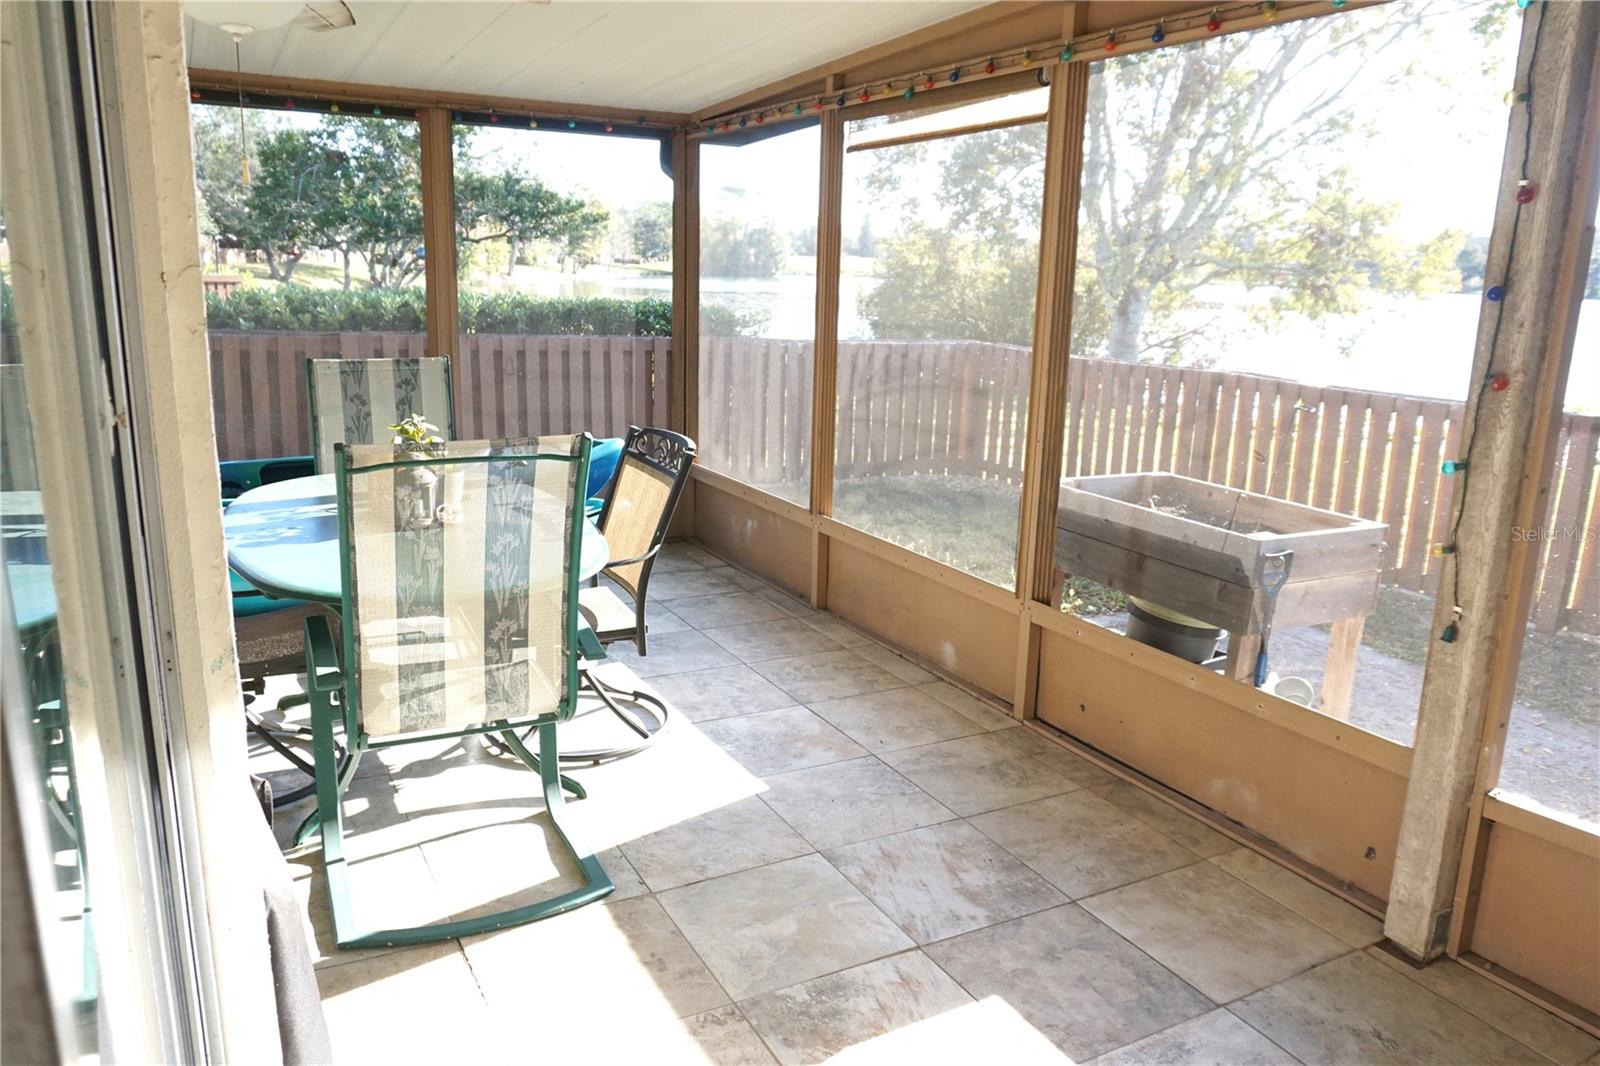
(355, 401)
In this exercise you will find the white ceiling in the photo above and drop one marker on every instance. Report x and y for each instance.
(661, 56)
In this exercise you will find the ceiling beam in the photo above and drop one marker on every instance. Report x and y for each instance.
(420, 99)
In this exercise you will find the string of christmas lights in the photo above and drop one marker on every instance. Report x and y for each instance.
(1077, 49)
(1493, 382)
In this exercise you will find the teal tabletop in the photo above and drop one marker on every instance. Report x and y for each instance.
(283, 538)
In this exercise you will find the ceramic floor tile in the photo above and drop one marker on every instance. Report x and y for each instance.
(843, 802)
(386, 1010)
(659, 621)
(1077, 982)
(943, 880)
(1505, 1010)
(1082, 844)
(671, 561)
(670, 587)
(783, 639)
(895, 718)
(1162, 816)
(630, 949)
(979, 711)
(500, 866)
(892, 663)
(765, 929)
(1213, 930)
(978, 773)
(728, 839)
(1319, 906)
(826, 676)
(1356, 1009)
(841, 634)
(786, 739)
(672, 653)
(390, 890)
(729, 609)
(1074, 767)
(747, 581)
(793, 605)
(722, 692)
(1215, 1039)
(902, 1009)
(697, 553)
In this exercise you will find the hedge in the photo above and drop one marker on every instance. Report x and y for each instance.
(296, 307)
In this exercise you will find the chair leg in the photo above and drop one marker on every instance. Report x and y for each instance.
(596, 882)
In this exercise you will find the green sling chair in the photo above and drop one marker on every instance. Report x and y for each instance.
(355, 401)
(460, 617)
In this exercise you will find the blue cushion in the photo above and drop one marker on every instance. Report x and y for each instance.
(604, 458)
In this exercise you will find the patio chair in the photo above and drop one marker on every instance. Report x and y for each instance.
(650, 478)
(459, 618)
(355, 401)
(651, 473)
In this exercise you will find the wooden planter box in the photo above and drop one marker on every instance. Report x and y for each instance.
(1201, 549)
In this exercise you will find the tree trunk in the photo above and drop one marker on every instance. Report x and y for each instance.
(1126, 331)
(289, 264)
(345, 251)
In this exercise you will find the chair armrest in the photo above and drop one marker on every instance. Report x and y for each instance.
(636, 559)
(322, 658)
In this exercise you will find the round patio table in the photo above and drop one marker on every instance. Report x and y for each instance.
(283, 538)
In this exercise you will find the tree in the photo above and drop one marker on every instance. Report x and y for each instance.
(651, 230)
(866, 244)
(513, 207)
(731, 249)
(1219, 161)
(803, 241)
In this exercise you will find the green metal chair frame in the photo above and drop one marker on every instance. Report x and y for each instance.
(327, 681)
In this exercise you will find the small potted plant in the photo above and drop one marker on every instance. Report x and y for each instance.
(420, 493)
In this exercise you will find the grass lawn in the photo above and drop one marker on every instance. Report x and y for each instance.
(1558, 672)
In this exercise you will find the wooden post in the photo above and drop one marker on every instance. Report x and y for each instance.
(1468, 683)
(825, 364)
(684, 385)
(439, 238)
(1052, 343)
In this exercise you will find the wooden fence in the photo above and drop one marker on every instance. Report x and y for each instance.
(959, 408)
(509, 385)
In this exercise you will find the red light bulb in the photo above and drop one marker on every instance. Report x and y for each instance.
(1526, 194)
(988, 68)
(1213, 23)
(1499, 383)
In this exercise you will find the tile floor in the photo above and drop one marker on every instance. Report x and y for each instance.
(833, 853)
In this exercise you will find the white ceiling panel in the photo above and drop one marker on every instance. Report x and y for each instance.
(665, 56)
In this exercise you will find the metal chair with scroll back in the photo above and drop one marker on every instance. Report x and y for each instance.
(649, 482)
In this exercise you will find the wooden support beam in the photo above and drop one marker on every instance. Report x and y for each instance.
(1052, 344)
(685, 383)
(419, 99)
(439, 238)
(825, 363)
(1528, 338)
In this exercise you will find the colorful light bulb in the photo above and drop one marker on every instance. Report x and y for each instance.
(1158, 34)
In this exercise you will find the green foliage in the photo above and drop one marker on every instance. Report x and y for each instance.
(943, 285)
(729, 248)
(353, 185)
(975, 275)
(300, 309)
(650, 229)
